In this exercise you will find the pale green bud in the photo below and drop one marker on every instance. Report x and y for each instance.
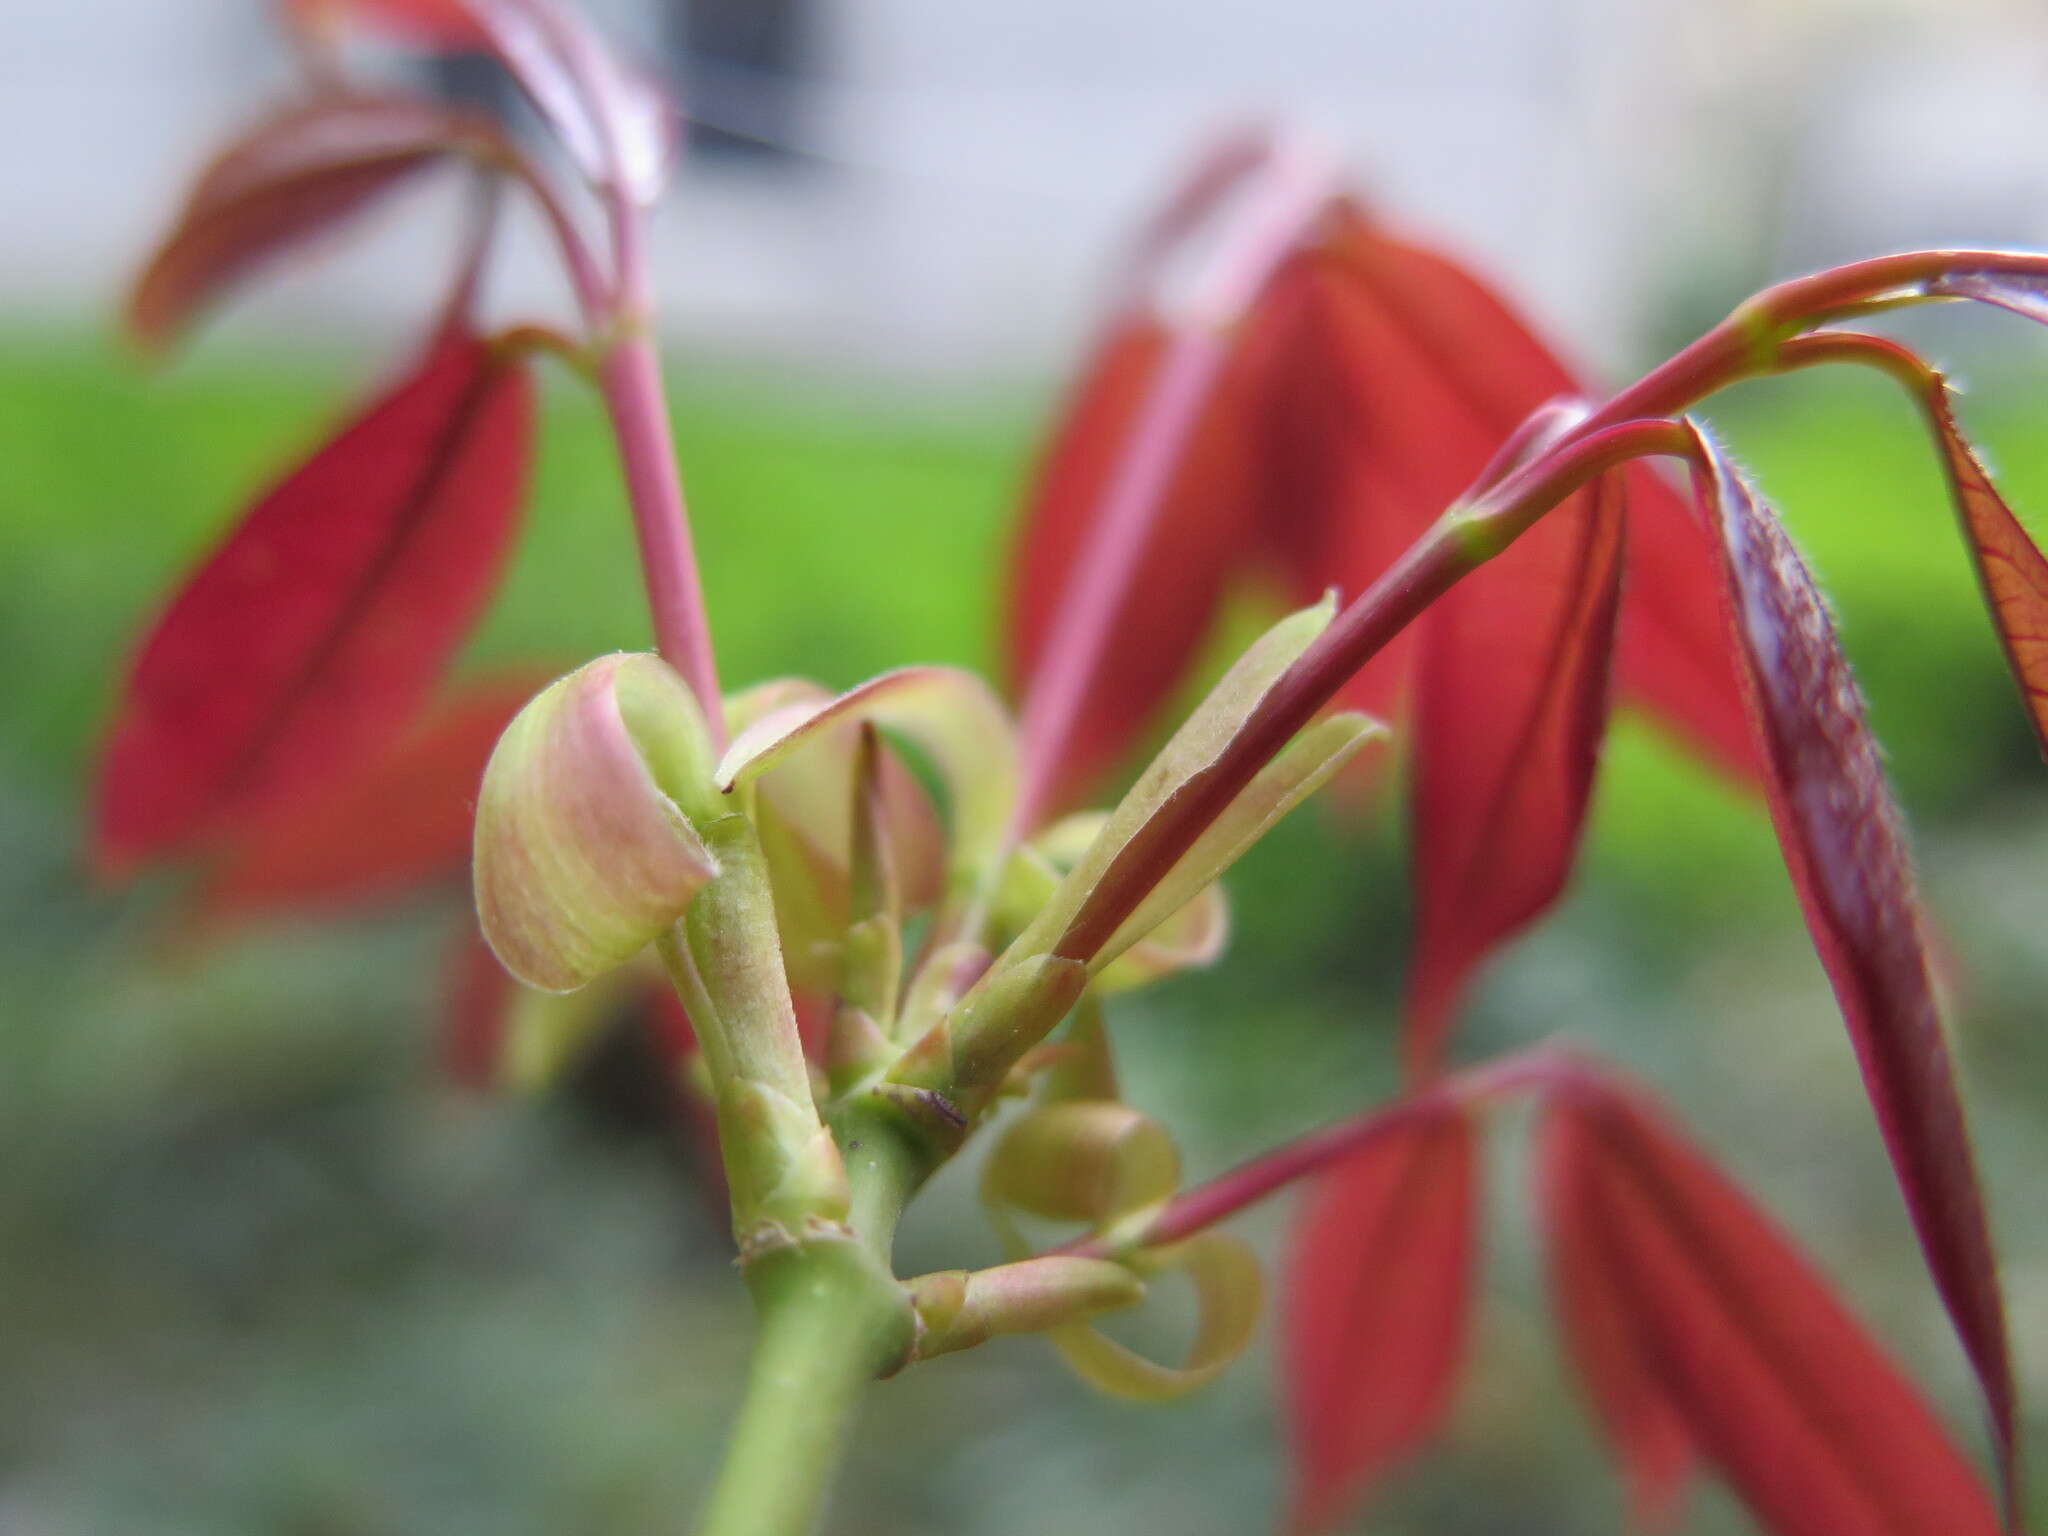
(585, 843)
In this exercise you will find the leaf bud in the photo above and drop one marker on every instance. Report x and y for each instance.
(585, 843)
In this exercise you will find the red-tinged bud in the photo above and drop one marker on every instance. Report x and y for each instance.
(587, 844)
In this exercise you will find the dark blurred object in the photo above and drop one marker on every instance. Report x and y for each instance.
(739, 67)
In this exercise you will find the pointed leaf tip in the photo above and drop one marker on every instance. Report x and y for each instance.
(1839, 832)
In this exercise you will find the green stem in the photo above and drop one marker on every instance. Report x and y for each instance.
(831, 1319)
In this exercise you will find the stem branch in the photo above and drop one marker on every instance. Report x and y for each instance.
(831, 1320)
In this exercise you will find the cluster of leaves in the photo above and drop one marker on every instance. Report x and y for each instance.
(1368, 386)
(1307, 407)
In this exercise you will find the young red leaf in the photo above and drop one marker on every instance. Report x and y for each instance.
(2010, 567)
(1772, 1378)
(1510, 710)
(1377, 1289)
(305, 644)
(1195, 542)
(403, 822)
(1643, 1424)
(291, 179)
(1840, 835)
(1146, 503)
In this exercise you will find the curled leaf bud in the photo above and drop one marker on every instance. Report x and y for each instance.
(585, 843)
(1086, 1160)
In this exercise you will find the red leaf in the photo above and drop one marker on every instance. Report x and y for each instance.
(401, 823)
(1510, 710)
(1773, 1379)
(2009, 564)
(302, 648)
(289, 180)
(1195, 544)
(1840, 835)
(1364, 445)
(1377, 1285)
(1645, 1427)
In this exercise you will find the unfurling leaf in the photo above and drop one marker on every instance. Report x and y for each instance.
(1727, 1330)
(803, 809)
(949, 714)
(304, 646)
(1228, 1295)
(1378, 1288)
(1085, 1160)
(1839, 832)
(1509, 714)
(1192, 937)
(1119, 849)
(401, 823)
(286, 182)
(588, 842)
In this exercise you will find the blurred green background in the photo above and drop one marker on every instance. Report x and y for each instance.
(264, 1272)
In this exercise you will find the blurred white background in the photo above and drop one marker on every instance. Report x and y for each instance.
(927, 188)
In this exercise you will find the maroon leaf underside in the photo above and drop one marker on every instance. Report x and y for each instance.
(1377, 1295)
(291, 180)
(1840, 836)
(305, 645)
(1510, 710)
(1749, 1350)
